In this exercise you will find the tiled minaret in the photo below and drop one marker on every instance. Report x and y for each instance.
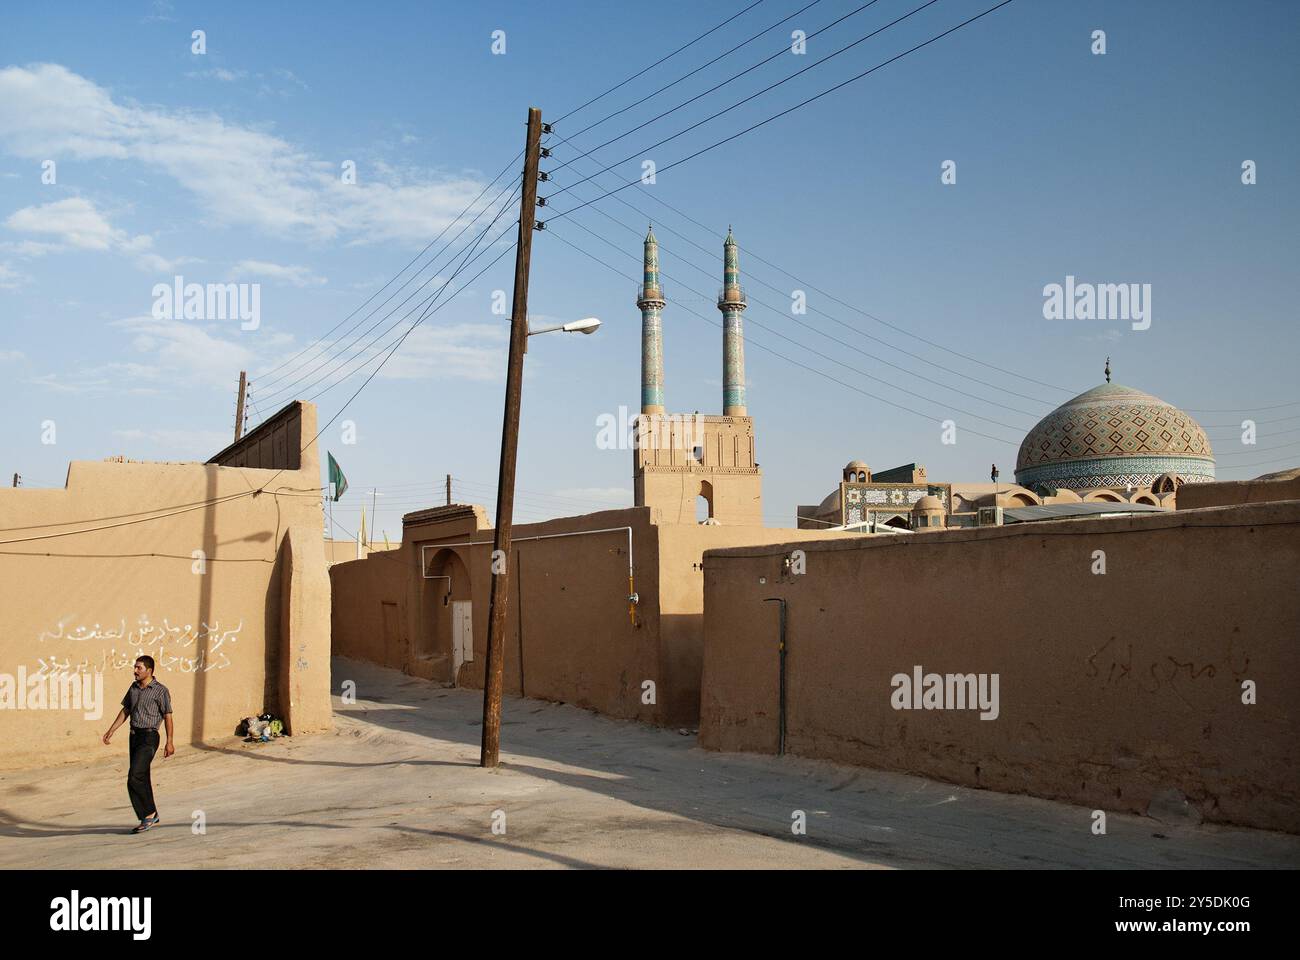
(731, 301)
(650, 298)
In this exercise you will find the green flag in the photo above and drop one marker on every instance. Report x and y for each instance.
(336, 477)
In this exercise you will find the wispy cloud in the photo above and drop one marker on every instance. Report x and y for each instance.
(11, 279)
(292, 275)
(219, 73)
(165, 355)
(160, 12)
(600, 495)
(77, 224)
(178, 444)
(239, 175)
(291, 77)
(462, 351)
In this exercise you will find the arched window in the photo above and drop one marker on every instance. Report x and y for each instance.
(704, 502)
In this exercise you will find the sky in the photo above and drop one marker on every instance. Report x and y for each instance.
(129, 156)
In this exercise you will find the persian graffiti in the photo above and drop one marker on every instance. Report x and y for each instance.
(1115, 665)
(185, 648)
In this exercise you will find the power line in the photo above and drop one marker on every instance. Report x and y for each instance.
(790, 360)
(721, 56)
(348, 347)
(319, 340)
(919, 396)
(661, 60)
(828, 336)
(759, 93)
(803, 103)
(127, 523)
(429, 301)
(398, 343)
(858, 330)
(785, 48)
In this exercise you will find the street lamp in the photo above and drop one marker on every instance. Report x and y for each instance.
(587, 325)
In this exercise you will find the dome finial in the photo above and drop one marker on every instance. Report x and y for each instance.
(1108, 369)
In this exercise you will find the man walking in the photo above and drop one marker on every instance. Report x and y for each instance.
(147, 703)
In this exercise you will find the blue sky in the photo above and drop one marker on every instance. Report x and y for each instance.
(225, 167)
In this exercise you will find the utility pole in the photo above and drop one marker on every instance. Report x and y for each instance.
(239, 405)
(17, 479)
(500, 596)
(449, 489)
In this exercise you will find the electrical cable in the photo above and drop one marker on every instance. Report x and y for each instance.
(348, 347)
(796, 363)
(759, 93)
(272, 381)
(785, 48)
(721, 56)
(661, 60)
(775, 116)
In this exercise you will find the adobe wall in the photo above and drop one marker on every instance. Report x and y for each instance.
(569, 635)
(681, 603)
(88, 601)
(344, 551)
(1112, 688)
(568, 623)
(1228, 492)
(359, 626)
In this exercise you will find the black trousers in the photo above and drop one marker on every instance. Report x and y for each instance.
(144, 744)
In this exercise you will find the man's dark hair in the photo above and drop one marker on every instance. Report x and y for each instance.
(146, 660)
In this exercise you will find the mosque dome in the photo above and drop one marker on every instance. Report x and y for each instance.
(927, 512)
(1113, 436)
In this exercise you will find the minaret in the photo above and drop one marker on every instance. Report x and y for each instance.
(731, 301)
(650, 298)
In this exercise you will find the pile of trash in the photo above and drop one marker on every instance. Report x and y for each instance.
(262, 729)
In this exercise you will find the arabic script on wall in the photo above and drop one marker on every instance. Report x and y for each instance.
(185, 648)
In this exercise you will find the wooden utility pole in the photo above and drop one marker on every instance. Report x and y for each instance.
(449, 489)
(239, 405)
(16, 479)
(500, 596)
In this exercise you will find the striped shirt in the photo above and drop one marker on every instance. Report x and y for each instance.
(147, 705)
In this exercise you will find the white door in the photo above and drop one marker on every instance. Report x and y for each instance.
(462, 634)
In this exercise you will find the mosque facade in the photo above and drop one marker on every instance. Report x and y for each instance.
(681, 459)
(1111, 449)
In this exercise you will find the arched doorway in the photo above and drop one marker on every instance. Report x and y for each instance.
(446, 634)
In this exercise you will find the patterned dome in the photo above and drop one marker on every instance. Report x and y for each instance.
(1112, 436)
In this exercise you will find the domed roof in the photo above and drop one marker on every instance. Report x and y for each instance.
(928, 503)
(856, 465)
(1113, 436)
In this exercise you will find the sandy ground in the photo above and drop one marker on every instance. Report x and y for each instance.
(396, 784)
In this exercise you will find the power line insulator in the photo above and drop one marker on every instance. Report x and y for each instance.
(541, 201)
(546, 128)
(546, 152)
(540, 224)
(543, 176)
